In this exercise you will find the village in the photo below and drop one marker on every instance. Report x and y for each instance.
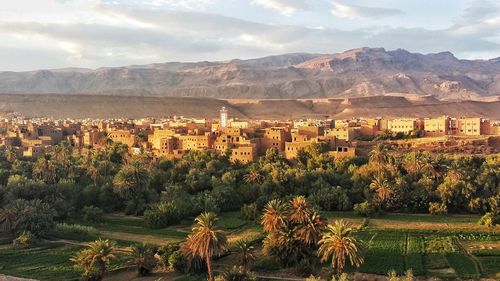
(245, 140)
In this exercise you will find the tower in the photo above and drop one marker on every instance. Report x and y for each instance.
(223, 117)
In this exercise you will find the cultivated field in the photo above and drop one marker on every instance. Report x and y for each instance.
(449, 247)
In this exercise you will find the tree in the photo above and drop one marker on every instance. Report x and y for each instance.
(275, 214)
(95, 258)
(244, 254)
(383, 189)
(205, 240)
(131, 180)
(34, 216)
(379, 156)
(142, 258)
(338, 243)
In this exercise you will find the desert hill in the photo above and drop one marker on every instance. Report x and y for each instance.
(360, 72)
(106, 106)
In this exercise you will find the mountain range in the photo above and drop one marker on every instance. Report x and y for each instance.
(362, 72)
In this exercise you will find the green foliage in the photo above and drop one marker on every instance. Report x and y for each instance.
(490, 219)
(92, 214)
(236, 273)
(463, 265)
(266, 263)
(177, 261)
(142, 258)
(24, 240)
(390, 246)
(162, 215)
(331, 199)
(250, 212)
(32, 216)
(164, 253)
(414, 254)
(365, 209)
(438, 209)
(74, 232)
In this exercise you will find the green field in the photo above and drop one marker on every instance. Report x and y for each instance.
(438, 254)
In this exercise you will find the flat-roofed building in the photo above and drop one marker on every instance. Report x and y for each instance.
(435, 127)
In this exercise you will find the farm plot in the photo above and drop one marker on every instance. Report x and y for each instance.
(385, 253)
(43, 262)
(414, 253)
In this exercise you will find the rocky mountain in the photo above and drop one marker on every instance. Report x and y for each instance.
(355, 73)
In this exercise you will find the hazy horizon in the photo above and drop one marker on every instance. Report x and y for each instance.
(54, 34)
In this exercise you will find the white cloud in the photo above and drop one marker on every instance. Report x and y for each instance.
(341, 10)
(285, 7)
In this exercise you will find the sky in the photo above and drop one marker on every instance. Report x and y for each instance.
(46, 34)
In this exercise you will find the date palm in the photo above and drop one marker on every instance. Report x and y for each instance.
(95, 258)
(275, 215)
(206, 241)
(379, 156)
(142, 258)
(383, 189)
(244, 254)
(309, 232)
(300, 211)
(338, 244)
(253, 177)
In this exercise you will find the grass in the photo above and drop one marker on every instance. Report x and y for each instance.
(414, 252)
(463, 265)
(491, 266)
(48, 261)
(385, 252)
(400, 217)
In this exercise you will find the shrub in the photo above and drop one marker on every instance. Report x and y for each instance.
(177, 261)
(162, 215)
(23, 240)
(250, 212)
(237, 273)
(164, 253)
(365, 209)
(330, 199)
(74, 232)
(364, 223)
(92, 214)
(436, 208)
(142, 258)
(489, 219)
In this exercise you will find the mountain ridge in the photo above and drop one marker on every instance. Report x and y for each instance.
(357, 72)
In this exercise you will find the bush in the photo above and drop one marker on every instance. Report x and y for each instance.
(330, 199)
(164, 253)
(162, 215)
(237, 273)
(23, 240)
(365, 209)
(249, 212)
(74, 232)
(438, 209)
(177, 261)
(364, 223)
(93, 214)
(489, 219)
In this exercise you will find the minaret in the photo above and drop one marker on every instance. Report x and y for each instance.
(223, 117)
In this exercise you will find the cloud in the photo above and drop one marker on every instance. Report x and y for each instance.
(285, 7)
(115, 35)
(362, 12)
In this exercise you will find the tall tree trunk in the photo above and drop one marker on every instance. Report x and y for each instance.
(209, 268)
(102, 270)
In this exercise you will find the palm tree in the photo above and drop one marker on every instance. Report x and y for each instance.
(275, 215)
(379, 156)
(309, 232)
(300, 212)
(142, 258)
(95, 258)
(253, 177)
(244, 254)
(206, 240)
(131, 179)
(383, 189)
(11, 154)
(338, 243)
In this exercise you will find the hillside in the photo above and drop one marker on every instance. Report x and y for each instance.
(354, 73)
(105, 106)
